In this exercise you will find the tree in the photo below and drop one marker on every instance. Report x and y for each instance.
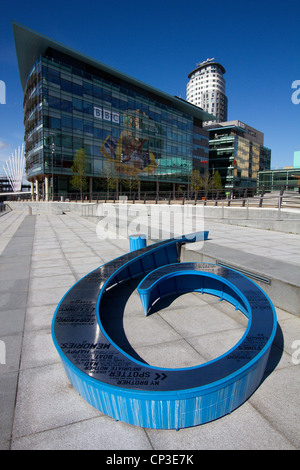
(206, 181)
(216, 181)
(112, 179)
(131, 183)
(79, 178)
(195, 180)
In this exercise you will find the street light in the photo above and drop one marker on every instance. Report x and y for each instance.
(51, 134)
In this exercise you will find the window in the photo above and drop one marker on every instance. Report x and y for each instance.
(66, 85)
(66, 121)
(88, 127)
(54, 123)
(66, 106)
(87, 88)
(77, 89)
(54, 102)
(67, 141)
(77, 104)
(98, 133)
(77, 124)
(53, 77)
(88, 107)
(97, 92)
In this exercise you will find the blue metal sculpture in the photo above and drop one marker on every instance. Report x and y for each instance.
(134, 392)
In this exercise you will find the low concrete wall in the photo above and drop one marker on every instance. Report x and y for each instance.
(287, 220)
(43, 207)
(283, 290)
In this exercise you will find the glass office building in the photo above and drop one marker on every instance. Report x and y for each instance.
(126, 128)
(275, 180)
(238, 153)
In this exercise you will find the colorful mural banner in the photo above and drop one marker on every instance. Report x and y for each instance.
(129, 154)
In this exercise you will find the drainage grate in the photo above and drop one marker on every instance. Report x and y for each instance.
(255, 276)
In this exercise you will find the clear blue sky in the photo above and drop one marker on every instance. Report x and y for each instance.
(160, 42)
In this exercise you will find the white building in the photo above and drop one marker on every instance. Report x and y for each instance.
(206, 89)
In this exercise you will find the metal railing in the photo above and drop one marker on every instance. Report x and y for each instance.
(249, 197)
(4, 208)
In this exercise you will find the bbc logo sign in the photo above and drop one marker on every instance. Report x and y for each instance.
(106, 115)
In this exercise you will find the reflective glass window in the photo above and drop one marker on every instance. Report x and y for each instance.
(88, 108)
(54, 123)
(77, 104)
(77, 124)
(87, 88)
(66, 121)
(66, 85)
(66, 106)
(77, 89)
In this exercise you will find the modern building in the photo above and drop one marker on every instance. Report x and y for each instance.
(237, 151)
(128, 129)
(5, 185)
(276, 180)
(206, 89)
(297, 159)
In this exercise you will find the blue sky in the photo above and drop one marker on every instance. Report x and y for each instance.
(160, 42)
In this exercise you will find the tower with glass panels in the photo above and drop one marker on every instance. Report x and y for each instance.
(126, 128)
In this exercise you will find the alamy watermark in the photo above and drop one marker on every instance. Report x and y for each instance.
(296, 94)
(2, 92)
(296, 353)
(155, 222)
(2, 352)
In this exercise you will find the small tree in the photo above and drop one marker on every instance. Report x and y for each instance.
(79, 178)
(195, 180)
(216, 181)
(112, 179)
(206, 181)
(131, 183)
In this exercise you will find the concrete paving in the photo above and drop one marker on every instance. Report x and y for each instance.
(43, 255)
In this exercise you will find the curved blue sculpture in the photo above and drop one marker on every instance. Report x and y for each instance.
(134, 392)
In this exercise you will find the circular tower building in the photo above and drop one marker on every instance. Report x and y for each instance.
(206, 89)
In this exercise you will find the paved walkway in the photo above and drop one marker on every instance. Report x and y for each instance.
(41, 258)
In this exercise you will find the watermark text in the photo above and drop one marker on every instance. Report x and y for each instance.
(155, 222)
(296, 353)
(2, 352)
(2, 92)
(296, 94)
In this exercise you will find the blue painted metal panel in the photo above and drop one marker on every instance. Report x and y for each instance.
(134, 392)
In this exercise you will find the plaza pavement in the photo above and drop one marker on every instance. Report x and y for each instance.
(43, 255)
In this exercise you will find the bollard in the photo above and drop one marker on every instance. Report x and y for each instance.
(137, 241)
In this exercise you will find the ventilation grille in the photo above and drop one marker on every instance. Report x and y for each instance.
(255, 276)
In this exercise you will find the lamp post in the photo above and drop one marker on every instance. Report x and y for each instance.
(51, 134)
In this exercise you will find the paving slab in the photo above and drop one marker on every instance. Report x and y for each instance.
(14, 273)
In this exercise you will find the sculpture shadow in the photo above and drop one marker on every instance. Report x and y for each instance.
(112, 312)
(275, 353)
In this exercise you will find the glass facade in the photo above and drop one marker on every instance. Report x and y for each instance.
(237, 158)
(275, 180)
(125, 130)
